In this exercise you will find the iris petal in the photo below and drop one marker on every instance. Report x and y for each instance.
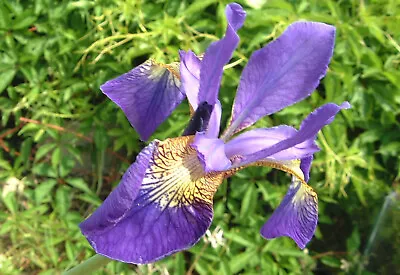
(215, 120)
(201, 79)
(296, 216)
(172, 208)
(147, 94)
(218, 54)
(190, 76)
(282, 73)
(211, 153)
(310, 127)
(305, 166)
(117, 205)
(256, 140)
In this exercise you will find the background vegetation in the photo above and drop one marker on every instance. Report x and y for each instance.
(64, 145)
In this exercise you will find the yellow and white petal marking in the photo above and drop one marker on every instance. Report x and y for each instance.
(156, 70)
(289, 166)
(297, 214)
(175, 176)
(305, 193)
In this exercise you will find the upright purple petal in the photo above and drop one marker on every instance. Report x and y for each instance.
(215, 120)
(190, 76)
(162, 205)
(305, 165)
(296, 216)
(282, 73)
(256, 140)
(147, 95)
(308, 130)
(218, 54)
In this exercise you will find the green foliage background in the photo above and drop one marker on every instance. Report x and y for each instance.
(64, 145)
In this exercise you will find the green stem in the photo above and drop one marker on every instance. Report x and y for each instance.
(377, 227)
(88, 266)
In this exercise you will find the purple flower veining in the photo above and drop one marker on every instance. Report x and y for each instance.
(164, 202)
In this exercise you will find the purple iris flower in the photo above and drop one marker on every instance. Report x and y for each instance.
(164, 202)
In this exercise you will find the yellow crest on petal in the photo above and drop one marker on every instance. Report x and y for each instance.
(175, 176)
(304, 193)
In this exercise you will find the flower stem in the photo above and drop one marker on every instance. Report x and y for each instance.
(88, 266)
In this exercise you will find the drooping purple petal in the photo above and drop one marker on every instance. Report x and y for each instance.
(190, 76)
(308, 130)
(118, 204)
(169, 211)
(147, 95)
(218, 54)
(305, 165)
(211, 153)
(256, 140)
(296, 216)
(282, 73)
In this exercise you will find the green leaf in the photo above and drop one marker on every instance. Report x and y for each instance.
(69, 249)
(201, 267)
(331, 261)
(92, 199)
(224, 267)
(179, 264)
(376, 32)
(44, 149)
(23, 21)
(44, 189)
(4, 18)
(81, 5)
(26, 149)
(240, 238)
(249, 201)
(75, 152)
(5, 165)
(80, 184)
(7, 227)
(62, 201)
(67, 163)
(55, 157)
(354, 241)
(6, 78)
(241, 260)
(359, 185)
(10, 202)
(290, 253)
(198, 6)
